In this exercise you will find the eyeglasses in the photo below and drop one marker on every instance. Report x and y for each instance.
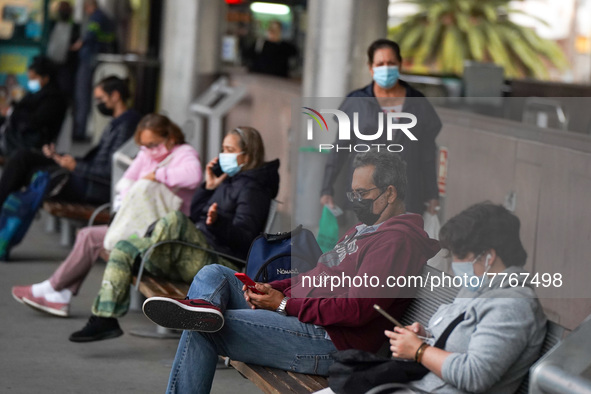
(357, 195)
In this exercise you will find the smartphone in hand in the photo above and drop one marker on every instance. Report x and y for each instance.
(388, 316)
(250, 284)
(217, 169)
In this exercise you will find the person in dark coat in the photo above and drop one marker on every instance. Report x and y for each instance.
(98, 37)
(88, 177)
(64, 34)
(228, 212)
(35, 120)
(387, 93)
(271, 54)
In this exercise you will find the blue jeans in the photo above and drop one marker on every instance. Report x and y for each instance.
(252, 336)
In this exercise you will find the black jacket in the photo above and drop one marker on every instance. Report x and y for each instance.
(36, 120)
(420, 156)
(95, 166)
(243, 205)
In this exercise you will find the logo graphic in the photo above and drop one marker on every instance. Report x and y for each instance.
(389, 122)
(318, 115)
(283, 271)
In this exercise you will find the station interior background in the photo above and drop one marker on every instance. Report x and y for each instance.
(527, 143)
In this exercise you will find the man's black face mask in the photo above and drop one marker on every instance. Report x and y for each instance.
(364, 210)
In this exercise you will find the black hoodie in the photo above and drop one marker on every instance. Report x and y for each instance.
(243, 205)
(37, 119)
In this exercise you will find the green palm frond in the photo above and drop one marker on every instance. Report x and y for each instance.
(444, 33)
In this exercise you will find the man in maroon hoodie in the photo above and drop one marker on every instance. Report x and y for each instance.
(296, 323)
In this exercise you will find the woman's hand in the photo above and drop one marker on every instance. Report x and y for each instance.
(212, 181)
(270, 300)
(327, 199)
(403, 343)
(212, 214)
(151, 176)
(418, 329)
(49, 151)
(66, 161)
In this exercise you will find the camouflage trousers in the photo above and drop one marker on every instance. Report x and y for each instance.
(171, 261)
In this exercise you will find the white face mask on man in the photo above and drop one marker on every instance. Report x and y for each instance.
(466, 268)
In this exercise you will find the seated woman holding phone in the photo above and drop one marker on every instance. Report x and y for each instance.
(227, 212)
(500, 328)
(483, 342)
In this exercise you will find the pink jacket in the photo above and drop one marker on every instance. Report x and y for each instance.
(182, 174)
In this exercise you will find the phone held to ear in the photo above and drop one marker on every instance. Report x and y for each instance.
(250, 284)
(217, 170)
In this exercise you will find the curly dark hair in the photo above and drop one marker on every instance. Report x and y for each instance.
(482, 227)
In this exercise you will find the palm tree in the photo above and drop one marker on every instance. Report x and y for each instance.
(444, 33)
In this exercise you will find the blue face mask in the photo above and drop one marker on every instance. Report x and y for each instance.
(34, 85)
(386, 76)
(229, 163)
(461, 268)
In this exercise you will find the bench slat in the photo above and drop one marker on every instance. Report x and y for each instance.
(269, 380)
(75, 211)
(310, 382)
(158, 287)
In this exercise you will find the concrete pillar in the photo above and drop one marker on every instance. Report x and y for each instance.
(191, 43)
(371, 19)
(338, 34)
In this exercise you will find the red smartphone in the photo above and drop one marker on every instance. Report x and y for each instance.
(250, 284)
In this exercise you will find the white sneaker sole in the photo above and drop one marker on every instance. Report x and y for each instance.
(46, 309)
(20, 300)
(170, 313)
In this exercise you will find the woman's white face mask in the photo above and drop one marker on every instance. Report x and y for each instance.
(465, 269)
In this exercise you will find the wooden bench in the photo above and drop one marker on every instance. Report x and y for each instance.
(75, 211)
(277, 381)
(67, 212)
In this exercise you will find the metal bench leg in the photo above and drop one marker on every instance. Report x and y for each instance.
(67, 233)
(136, 299)
(51, 224)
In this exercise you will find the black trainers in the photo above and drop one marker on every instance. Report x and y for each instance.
(193, 315)
(97, 329)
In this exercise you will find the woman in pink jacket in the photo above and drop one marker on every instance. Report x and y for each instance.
(161, 142)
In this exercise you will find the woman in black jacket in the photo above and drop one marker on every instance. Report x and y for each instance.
(36, 119)
(227, 212)
(386, 94)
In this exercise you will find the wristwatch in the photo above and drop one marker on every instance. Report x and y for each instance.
(281, 308)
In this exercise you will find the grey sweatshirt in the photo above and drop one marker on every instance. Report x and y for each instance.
(492, 349)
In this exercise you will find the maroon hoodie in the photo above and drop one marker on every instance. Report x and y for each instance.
(399, 247)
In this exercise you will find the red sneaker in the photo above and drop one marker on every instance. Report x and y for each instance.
(18, 292)
(53, 308)
(193, 315)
